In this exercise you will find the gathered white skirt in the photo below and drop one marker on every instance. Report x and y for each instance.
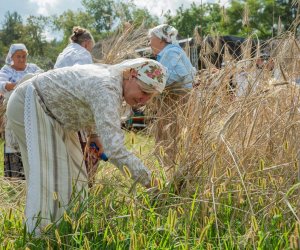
(51, 155)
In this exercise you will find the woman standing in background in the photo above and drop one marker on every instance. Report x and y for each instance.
(10, 74)
(79, 49)
(180, 76)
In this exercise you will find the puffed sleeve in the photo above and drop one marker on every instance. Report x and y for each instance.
(179, 68)
(37, 69)
(33, 68)
(78, 58)
(108, 126)
(4, 78)
(85, 58)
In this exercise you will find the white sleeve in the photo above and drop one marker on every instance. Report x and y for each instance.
(4, 78)
(84, 59)
(108, 125)
(36, 69)
(65, 61)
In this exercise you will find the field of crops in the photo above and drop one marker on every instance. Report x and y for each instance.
(230, 182)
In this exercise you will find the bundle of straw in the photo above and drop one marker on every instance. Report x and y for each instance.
(121, 45)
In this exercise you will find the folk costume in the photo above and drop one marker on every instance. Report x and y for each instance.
(46, 111)
(13, 166)
(73, 54)
(171, 104)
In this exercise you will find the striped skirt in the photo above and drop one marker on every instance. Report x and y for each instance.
(51, 155)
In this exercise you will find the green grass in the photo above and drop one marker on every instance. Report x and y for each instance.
(119, 216)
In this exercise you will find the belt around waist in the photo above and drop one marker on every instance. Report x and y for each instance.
(42, 102)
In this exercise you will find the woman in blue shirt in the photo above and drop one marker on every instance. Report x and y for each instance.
(180, 77)
(165, 47)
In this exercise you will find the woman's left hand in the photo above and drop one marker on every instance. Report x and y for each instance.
(92, 150)
(9, 86)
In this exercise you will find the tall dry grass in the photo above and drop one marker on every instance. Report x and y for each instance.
(121, 45)
(245, 148)
(238, 157)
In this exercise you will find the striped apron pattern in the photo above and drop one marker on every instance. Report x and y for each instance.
(55, 161)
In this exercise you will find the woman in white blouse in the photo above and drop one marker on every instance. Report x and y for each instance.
(54, 105)
(79, 49)
(11, 73)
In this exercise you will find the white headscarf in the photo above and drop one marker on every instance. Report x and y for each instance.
(165, 32)
(13, 48)
(149, 71)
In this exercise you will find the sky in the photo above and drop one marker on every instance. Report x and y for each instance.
(49, 7)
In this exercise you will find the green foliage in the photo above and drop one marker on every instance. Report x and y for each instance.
(286, 10)
(45, 63)
(115, 216)
(108, 14)
(100, 18)
(66, 21)
(32, 35)
(103, 13)
(262, 17)
(206, 16)
(240, 18)
(1, 157)
(12, 28)
(112, 218)
(265, 18)
(142, 16)
(123, 11)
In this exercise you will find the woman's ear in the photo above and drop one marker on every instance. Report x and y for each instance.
(126, 74)
(133, 73)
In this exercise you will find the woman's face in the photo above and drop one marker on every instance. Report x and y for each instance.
(19, 58)
(133, 93)
(156, 44)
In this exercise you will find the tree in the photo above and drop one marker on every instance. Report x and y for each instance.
(66, 21)
(142, 16)
(12, 28)
(33, 35)
(207, 16)
(262, 17)
(287, 11)
(103, 13)
(108, 14)
(128, 12)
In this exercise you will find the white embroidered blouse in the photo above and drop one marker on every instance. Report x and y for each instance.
(8, 74)
(90, 96)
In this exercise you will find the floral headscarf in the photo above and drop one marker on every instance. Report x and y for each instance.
(150, 72)
(165, 32)
(13, 48)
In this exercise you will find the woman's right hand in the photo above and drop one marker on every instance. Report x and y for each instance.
(10, 86)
